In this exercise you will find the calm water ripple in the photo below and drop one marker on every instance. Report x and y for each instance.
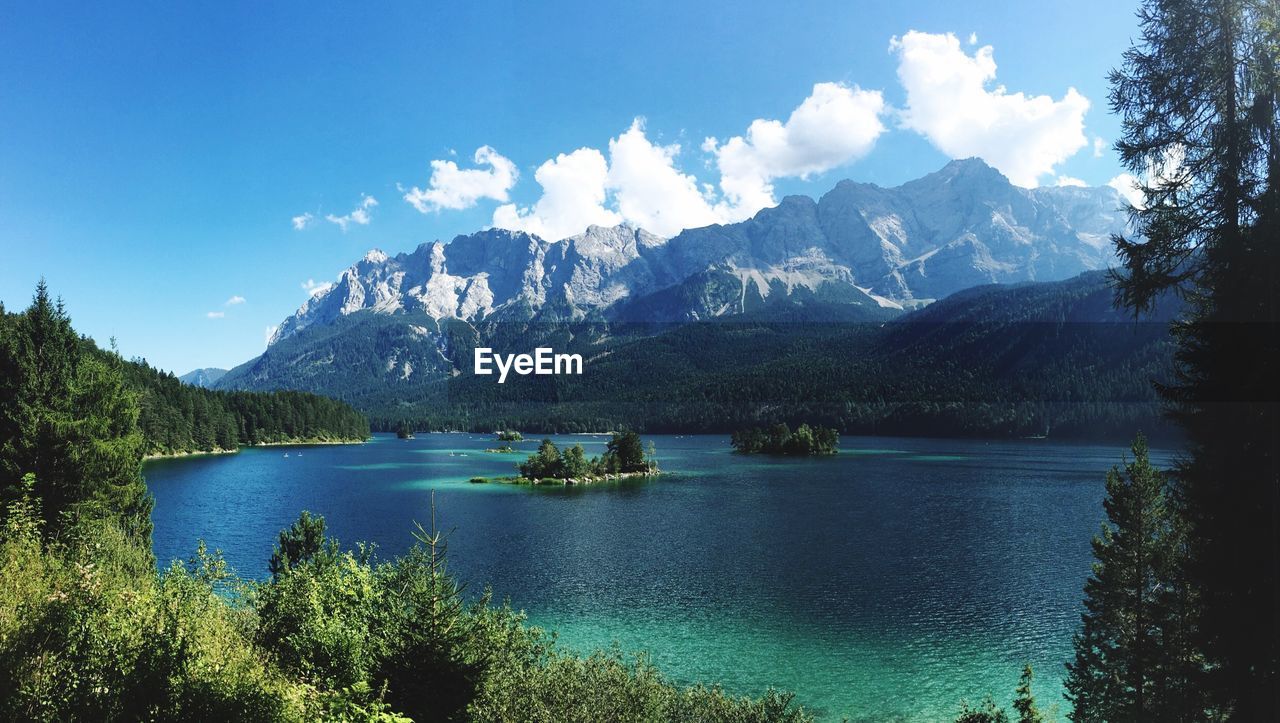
(886, 583)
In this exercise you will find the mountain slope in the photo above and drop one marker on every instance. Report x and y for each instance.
(203, 377)
(959, 227)
(997, 360)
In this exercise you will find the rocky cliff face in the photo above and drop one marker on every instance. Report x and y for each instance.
(890, 247)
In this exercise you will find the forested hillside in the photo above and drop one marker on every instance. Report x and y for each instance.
(1031, 359)
(177, 417)
(91, 630)
(174, 417)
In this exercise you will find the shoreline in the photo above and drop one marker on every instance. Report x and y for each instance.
(220, 451)
(567, 482)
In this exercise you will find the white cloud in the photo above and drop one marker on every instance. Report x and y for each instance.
(301, 222)
(1129, 187)
(234, 300)
(640, 182)
(270, 332)
(316, 288)
(948, 102)
(215, 315)
(836, 124)
(1099, 146)
(973, 38)
(359, 215)
(573, 197)
(640, 185)
(1169, 170)
(648, 188)
(1070, 181)
(456, 188)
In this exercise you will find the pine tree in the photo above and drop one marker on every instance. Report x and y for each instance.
(1120, 668)
(72, 422)
(1198, 100)
(1024, 702)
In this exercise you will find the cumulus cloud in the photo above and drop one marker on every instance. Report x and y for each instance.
(457, 188)
(1130, 187)
(359, 215)
(836, 124)
(1168, 171)
(641, 182)
(573, 197)
(301, 222)
(650, 191)
(1070, 181)
(949, 103)
(316, 288)
(235, 300)
(1099, 146)
(215, 315)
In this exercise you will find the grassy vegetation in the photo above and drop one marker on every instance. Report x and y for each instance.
(89, 630)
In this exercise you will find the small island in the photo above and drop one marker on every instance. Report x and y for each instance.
(510, 435)
(625, 456)
(805, 441)
(404, 431)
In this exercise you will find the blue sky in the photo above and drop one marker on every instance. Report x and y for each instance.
(154, 156)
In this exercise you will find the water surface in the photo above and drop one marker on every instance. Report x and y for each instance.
(882, 584)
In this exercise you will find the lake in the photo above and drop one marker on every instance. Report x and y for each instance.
(885, 583)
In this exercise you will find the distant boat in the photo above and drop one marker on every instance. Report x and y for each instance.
(286, 454)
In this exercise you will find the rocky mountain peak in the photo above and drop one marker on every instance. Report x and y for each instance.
(960, 226)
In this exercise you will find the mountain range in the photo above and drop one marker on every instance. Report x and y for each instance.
(859, 243)
(393, 334)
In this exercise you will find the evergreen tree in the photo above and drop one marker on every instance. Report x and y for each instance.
(302, 541)
(1024, 702)
(1198, 100)
(629, 451)
(986, 712)
(1121, 670)
(71, 421)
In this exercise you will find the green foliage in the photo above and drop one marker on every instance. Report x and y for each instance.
(993, 361)
(805, 441)
(69, 419)
(986, 712)
(404, 430)
(302, 542)
(624, 453)
(1201, 88)
(627, 448)
(1024, 702)
(510, 435)
(89, 631)
(1133, 659)
(608, 686)
(179, 418)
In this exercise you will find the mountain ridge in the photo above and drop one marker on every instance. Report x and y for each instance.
(961, 226)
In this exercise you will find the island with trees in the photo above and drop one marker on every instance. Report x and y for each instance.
(625, 456)
(404, 431)
(509, 435)
(805, 441)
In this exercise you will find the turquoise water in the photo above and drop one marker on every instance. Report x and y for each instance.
(885, 583)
